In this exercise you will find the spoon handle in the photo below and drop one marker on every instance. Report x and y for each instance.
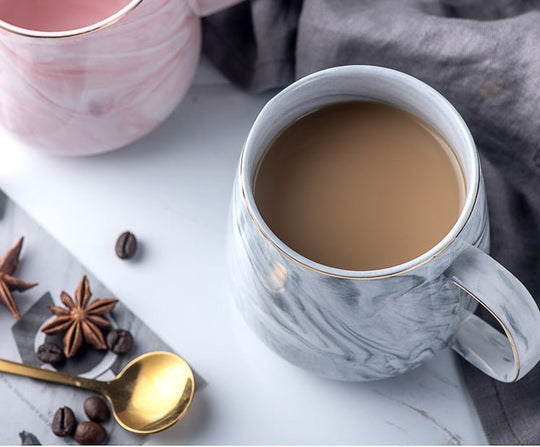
(20, 369)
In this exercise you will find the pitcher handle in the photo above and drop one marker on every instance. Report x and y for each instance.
(504, 358)
(207, 7)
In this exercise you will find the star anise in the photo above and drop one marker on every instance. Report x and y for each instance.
(81, 320)
(8, 283)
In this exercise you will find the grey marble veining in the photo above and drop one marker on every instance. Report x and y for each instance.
(342, 328)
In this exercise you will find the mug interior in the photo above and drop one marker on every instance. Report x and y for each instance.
(61, 18)
(359, 83)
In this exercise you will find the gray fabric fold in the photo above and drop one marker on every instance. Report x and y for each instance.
(484, 56)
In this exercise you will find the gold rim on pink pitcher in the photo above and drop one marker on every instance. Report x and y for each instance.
(75, 32)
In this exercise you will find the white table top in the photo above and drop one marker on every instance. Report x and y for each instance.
(172, 190)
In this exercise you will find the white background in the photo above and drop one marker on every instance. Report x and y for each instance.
(172, 190)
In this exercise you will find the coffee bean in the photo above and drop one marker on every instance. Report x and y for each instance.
(119, 341)
(89, 433)
(50, 353)
(64, 422)
(126, 245)
(96, 409)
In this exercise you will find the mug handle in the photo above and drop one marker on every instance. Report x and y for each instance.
(207, 7)
(508, 358)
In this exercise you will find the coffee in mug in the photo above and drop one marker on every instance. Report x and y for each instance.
(360, 186)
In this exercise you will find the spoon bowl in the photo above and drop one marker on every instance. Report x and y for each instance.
(153, 392)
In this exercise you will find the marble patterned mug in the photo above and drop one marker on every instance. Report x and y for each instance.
(367, 325)
(100, 86)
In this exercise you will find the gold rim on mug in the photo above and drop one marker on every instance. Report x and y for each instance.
(6, 26)
(334, 275)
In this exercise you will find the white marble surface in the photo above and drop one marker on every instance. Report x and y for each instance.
(172, 190)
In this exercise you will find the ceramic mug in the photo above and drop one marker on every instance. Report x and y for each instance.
(366, 325)
(102, 86)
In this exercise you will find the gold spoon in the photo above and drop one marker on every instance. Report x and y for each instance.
(153, 392)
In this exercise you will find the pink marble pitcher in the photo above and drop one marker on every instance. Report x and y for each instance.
(101, 86)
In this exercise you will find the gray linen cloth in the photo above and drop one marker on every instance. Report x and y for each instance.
(484, 56)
